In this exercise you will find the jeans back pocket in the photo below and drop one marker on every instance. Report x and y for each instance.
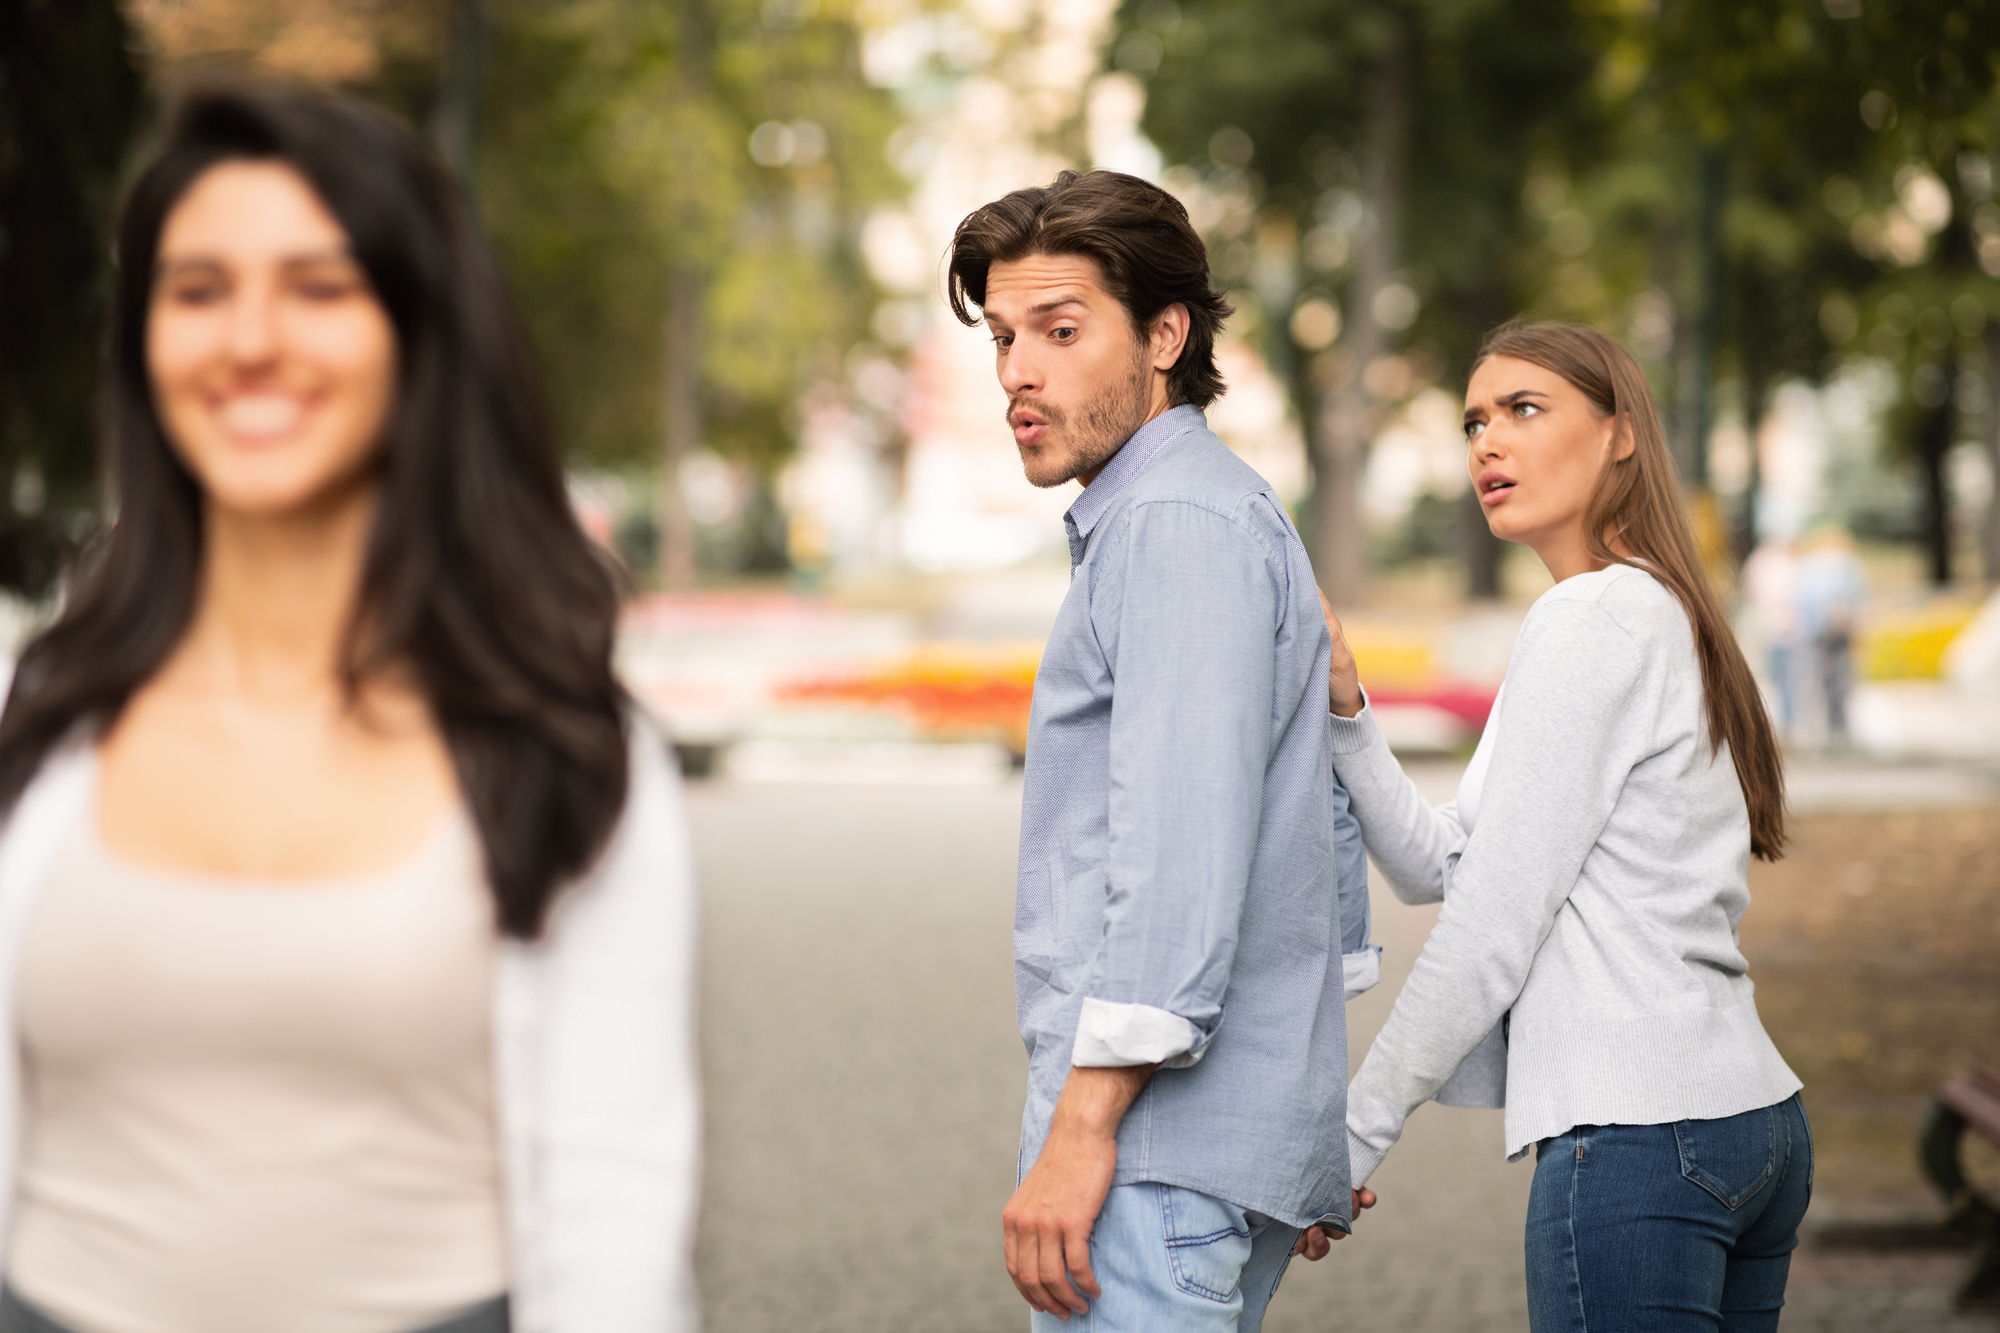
(1208, 1242)
(1733, 1157)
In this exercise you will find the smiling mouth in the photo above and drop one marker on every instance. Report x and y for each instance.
(261, 414)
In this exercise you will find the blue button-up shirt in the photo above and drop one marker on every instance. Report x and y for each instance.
(1184, 843)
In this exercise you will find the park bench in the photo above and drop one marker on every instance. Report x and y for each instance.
(1968, 1105)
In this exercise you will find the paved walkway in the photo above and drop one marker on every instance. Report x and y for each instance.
(864, 1089)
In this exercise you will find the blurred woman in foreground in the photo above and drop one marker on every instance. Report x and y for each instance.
(1592, 871)
(346, 921)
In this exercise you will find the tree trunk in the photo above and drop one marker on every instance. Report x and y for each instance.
(455, 125)
(1935, 429)
(1989, 535)
(680, 429)
(1346, 418)
(1697, 406)
(1482, 551)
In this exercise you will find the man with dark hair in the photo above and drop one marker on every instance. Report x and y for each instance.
(1192, 898)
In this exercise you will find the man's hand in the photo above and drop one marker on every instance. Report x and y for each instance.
(1048, 1220)
(1317, 1241)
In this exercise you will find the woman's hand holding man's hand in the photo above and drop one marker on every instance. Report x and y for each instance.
(1343, 682)
(1316, 1241)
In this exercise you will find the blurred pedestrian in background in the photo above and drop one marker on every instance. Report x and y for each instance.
(1831, 588)
(1771, 589)
(346, 906)
(1593, 871)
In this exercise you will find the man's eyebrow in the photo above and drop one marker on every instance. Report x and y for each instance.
(1056, 304)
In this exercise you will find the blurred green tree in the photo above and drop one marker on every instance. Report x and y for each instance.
(69, 101)
(1751, 195)
(1377, 151)
(678, 191)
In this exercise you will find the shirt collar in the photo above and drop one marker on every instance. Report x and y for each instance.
(1147, 443)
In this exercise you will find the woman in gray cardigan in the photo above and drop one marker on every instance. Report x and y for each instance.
(1593, 871)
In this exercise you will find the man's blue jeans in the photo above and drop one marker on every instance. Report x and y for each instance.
(1172, 1259)
(1679, 1227)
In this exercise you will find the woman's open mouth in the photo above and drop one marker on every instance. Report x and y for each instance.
(1494, 487)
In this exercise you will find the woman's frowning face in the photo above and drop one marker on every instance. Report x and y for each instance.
(1536, 449)
(273, 365)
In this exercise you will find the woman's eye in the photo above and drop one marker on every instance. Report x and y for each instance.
(1472, 429)
(195, 293)
(1526, 409)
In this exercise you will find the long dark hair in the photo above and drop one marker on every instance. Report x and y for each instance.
(1638, 506)
(477, 577)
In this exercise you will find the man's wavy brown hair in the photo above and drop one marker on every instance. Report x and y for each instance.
(1148, 255)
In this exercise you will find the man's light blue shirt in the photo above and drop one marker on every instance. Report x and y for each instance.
(1184, 843)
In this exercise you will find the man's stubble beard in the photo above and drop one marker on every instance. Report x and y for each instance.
(1101, 429)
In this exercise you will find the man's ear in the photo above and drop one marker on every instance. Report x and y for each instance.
(1169, 336)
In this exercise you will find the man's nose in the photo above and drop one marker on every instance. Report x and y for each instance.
(1018, 372)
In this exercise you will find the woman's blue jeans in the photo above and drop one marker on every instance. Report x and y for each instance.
(1676, 1228)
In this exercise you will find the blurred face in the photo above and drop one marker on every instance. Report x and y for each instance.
(272, 364)
(1079, 379)
(1536, 448)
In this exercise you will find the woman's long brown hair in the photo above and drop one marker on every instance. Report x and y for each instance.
(1638, 508)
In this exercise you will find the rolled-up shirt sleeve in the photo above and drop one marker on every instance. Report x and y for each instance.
(1111, 1035)
(1190, 633)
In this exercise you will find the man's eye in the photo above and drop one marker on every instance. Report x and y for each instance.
(1003, 341)
(1063, 335)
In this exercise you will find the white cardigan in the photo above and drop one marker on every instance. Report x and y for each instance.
(595, 1074)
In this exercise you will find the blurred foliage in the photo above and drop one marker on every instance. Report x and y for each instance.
(622, 140)
(1493, 81)
(701, 164)
(70, 95)
(1750, 190)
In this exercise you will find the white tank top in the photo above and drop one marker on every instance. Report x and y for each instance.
(257, 1106)
(1472, 783)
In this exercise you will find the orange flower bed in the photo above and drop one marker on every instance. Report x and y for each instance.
(950, 694)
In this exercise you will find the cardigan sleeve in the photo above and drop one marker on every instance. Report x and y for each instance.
(614, 1151)
(1411, 839)
(1572, 736)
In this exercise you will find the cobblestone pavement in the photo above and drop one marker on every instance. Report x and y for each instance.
(864, 1093)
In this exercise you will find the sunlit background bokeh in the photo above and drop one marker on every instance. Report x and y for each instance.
(725, 222)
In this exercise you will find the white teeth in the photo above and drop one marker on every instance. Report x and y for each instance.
(261, 414)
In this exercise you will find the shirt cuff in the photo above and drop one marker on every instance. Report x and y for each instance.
(1110, 1035)
(1360, 972)
(1352, 735)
